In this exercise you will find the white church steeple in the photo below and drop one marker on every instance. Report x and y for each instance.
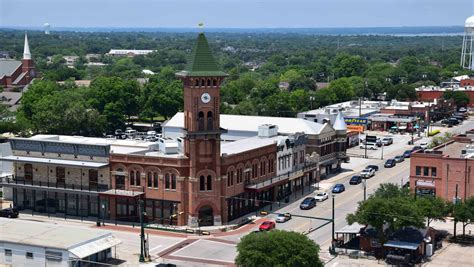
(26, 49)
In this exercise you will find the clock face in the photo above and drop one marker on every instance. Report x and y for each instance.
(205, 98)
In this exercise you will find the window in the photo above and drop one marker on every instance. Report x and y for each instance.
(270, 167)
(137, 178)
(433, 171)
(202, 183)
(230, 178)
(209, 183)
(60, 175)
(426, 171)
(173, 181)
(53, 255)
(201, 121)
(239, 175)
(29, 255)
(155, 180)
(28, 172)
(149, 179)
(167, 181)
(8, 252)
(210, 121)
(418, 170)
(93, 178)
(132, 177)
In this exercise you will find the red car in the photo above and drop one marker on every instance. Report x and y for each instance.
(267, 226)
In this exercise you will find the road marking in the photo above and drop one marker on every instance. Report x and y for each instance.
(157, 247)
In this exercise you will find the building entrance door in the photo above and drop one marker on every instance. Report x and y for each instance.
(206, 216)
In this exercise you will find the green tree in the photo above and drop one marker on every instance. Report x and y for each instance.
(464, 212)
(432, 208)
(460, 98)
(277, 248)
(343, 89)
(345, 65)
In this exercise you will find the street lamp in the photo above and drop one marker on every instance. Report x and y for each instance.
(364, 184)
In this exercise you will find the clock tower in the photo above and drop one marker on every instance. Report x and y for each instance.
(202, 79)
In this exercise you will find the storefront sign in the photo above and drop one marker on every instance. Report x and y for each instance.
(356, 121)
(355, 128)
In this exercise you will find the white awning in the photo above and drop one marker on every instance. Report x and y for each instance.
(95, 246)
(74, 163)
(350, 229)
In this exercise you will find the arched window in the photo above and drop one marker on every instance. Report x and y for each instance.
(209, 183)
(167, 181)
(201, 121)
(203, 82)
(230, 178)
(210, 120)
(173, 181)
(155, 180)
(208, 82)
(214, 82)
(132, 177)
(149, 179)
(138, 178)
(202, 183)
(196, 82)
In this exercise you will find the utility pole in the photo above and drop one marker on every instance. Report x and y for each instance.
(455, 203)
(333, 222)
(142, 232)
(381, 157)
(365, 188)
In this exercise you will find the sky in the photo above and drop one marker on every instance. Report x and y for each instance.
(234, 13)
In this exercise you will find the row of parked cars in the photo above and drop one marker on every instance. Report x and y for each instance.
(455, 119)
(384, 141)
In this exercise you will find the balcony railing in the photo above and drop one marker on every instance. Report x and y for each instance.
(12, 180)
(296, 172)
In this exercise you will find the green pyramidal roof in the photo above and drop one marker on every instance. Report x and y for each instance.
(201, 62)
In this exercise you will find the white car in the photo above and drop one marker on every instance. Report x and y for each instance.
(370, 146)
(367, 173)
(321, 196)
(283, 217)
(424, 145)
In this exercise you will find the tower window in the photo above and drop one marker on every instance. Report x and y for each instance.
(208, 82)
(196, 83)
(201, 121)
(210, 120)
(214, 82)
(205, 183)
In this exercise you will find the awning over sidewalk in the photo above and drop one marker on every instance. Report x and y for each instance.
(73, 163)
(350, 229)
(95, 246)
(122, 193)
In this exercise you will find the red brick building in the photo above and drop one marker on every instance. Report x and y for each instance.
(429, 94)
(445, 169)
(15, 73)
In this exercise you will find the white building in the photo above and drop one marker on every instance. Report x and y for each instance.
(24, 243)
(128, 52)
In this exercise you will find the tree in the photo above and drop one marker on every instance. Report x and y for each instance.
(464, 212)
(343, 89)
(460, 98)
(277, 248)
(432, 208)
(345, 65)
(388, 206)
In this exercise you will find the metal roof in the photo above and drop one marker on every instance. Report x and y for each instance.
(248, 144)
(7, 66)
(79, 240)
(74, 163)
(201, 62)
(250, 124)
(401, 244)
(350, 229)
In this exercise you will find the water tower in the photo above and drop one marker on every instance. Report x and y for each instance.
(468, 44)
(47, 26)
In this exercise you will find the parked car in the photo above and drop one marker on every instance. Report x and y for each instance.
(399, 159)
(416, 148)
(338, 188)
(267, 226)
(370, 146)
(407, 153)
(424, 145)
(308, 203)
(283, 217)
(462, 109)
(386, 141)
(321, 196)
(9, 213)
(454, 121)
(375, 167)
(367, 173)
(390, 163)
(356, 179)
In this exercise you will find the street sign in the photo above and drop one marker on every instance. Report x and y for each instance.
(371, 139)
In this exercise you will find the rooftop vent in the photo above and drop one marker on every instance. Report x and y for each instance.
(267, 130)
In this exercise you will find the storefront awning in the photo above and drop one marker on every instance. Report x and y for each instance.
(425, 184)
(122, 193)
(350, 229)
(63, 162)
(95, 246)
